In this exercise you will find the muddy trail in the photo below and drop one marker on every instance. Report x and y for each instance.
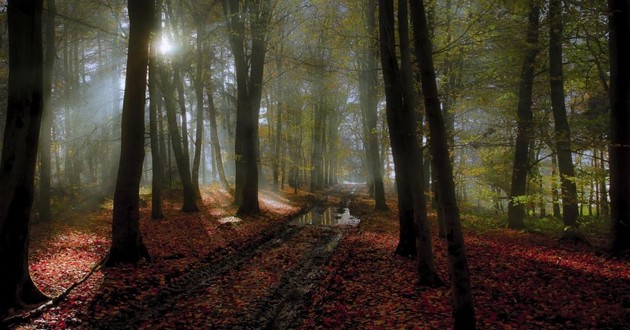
(294, 256)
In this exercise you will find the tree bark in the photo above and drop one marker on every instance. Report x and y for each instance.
(463, 307)
(280, 106)
(620, 123)
(19, 152)
(249, 80)
(47, 116)
(561, 125)
(214, 139)
(427, 274)
(399, 134)
(199, 127)
(369, 106)
(524, 122)
(181, 158)
(157, 173)
(127, 244)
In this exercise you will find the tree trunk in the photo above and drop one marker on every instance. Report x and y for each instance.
(199, 128)
(463, 307)
(249, 80)
(524, 122)
(157, 167)
(427, 274)
(561, 124)
(47, 116)
(620, 123)
(398, 132)
(317, 152)
(127, 245)
(19, 153)
(214, 139)
(280, 106)
(369, 106)
(181, 158)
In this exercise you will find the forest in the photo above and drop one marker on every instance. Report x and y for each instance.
(312, 164)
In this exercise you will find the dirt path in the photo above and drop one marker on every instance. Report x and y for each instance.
(280, 305)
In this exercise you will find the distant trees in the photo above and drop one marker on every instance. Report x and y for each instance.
(127, 244)
(19, 153)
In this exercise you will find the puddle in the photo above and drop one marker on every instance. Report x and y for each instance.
(327, 217)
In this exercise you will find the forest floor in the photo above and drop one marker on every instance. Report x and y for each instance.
(213, 270)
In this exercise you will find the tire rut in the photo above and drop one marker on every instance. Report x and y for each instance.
(138, 312)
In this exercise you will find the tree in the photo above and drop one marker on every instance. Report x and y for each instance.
(214, 135)
(19, 153)
(561, 125)
(127, 245)
(199, 95)
(620, 123)
(249, 61)
(157, 178)
(463, 307)
(369, 107)
(179, 149)
(398, 121)
(524, 122)
(47, 116)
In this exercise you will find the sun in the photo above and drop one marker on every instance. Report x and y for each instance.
(165, 46)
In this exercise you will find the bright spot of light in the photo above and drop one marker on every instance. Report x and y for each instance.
(165, 46)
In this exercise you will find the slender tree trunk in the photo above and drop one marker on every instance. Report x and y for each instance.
(280, 106)
(47, 116)
(620, 123)
(369, 106)
(19, 153)
(214, 140)
(603, 190)
(561, 124)
(555, 195)
(181, 158)
(156, 156)
(463, 307)
(127, 244)
(524, 122)
(199, 128)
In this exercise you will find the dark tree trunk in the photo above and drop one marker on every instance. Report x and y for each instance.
(199, 127)
(157, 179)
(369, 106)
(127, 245)
(620, 123)
(524, 122)
(427, 274)
(249, 79)
(181, 157)
(19, 153)
(47, 116)
(463, 307)
(398, 132)
(561, 124)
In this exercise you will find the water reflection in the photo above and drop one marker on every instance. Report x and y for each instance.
(327, 217)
